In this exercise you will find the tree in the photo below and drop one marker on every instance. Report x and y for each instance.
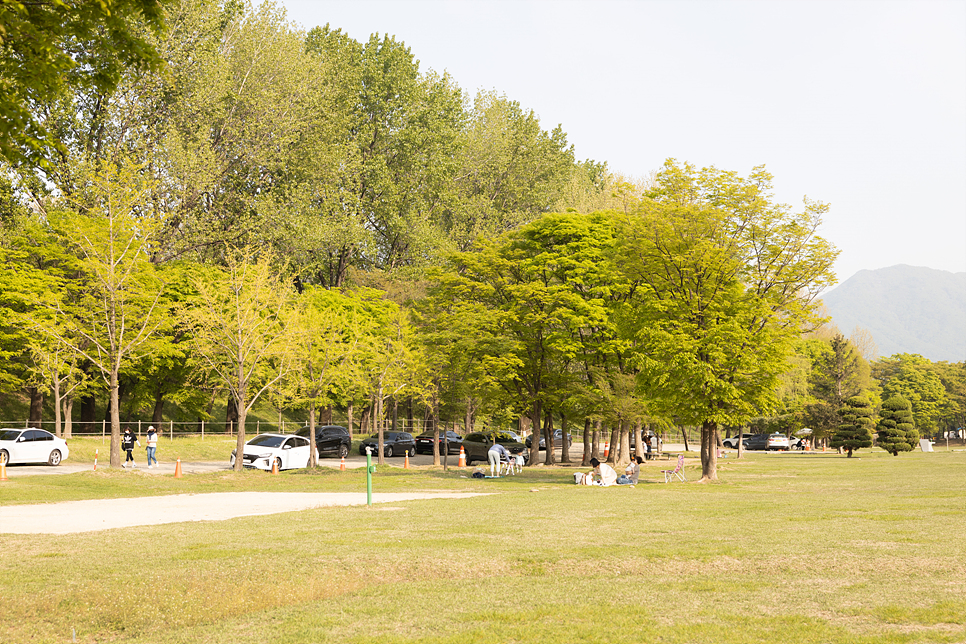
(913, 378)
(239, 322)
(855, 431)
(727, 278)
(50, 48)
(838, 372)
(896, 429)
(115, 315)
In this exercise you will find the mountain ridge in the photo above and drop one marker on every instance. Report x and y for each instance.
(907, 309)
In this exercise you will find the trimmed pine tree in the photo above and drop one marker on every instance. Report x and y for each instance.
(896, 428)
(855, 431)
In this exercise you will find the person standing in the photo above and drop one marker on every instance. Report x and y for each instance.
(127, 444)
(152, 446)
(494, 455)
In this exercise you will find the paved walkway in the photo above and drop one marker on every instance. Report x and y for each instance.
(105, 514)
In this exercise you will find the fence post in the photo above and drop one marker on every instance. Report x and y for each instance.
(171, 429)
(103, 430)
(139, 429)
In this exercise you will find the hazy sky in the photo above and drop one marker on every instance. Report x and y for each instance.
(858, 104)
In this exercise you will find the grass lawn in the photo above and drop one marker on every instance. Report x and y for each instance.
(797, 548)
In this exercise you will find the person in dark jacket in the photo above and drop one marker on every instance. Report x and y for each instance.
(128, 440)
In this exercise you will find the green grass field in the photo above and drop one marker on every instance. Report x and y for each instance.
(791, 548)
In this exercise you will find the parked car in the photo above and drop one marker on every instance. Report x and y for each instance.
(31, 445)
(732, 442)
(477, 444)
(424, 443)
(397, 443)
(288, 451)
(557, 440)
(775, 442)
(330, 440)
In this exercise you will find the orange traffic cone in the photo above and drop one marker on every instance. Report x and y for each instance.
(342, 465)
(462, 457)
(406, 462)
(275, 466)
(177, 469)
(3, 468)
(606, 450)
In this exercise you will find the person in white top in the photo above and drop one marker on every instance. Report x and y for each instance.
(152, 446)
(605, 473)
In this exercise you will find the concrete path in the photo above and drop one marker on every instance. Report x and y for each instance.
(105, 514)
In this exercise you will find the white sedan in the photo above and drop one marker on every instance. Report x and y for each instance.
(288, 452)
(32, 446)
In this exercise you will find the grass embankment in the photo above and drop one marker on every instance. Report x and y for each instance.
(788, 548)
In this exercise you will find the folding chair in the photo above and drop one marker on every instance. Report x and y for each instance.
(678, 471)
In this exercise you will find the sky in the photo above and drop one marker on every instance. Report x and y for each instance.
(858, 104)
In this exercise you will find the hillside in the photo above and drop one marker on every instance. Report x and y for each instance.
(908, 309)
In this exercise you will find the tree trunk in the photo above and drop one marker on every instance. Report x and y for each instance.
(55, 392)
(639, 439)
(585, 458)
(115, 413)
(709, 451)
(313, 459)
(624, 456)
(436, 452)
(612, 446)
(349, 420)
(377, 419)
(551, 457)
(36, 407)
(156, 416)
(595, 441)
(536, 418)
(564, 444)
(68, 421)
(684, 433)
(395, 414)
(231, 414)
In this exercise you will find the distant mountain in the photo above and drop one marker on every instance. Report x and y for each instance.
(908, 309)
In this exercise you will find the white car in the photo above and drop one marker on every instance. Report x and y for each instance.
(289, 452)
(31, 445)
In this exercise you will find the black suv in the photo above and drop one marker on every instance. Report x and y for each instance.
(397, 443)
(477, 444)
(333, 440)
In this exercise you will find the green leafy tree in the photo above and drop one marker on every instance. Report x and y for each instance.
(896, 428)
(855, 430)
(727, 280)
(239, 325)
(913, 378)
(48, 49)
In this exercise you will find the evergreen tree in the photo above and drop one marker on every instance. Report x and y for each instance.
(856, 428)
(897, 432)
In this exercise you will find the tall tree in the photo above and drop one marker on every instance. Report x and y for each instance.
(728, 279)
(239, 322)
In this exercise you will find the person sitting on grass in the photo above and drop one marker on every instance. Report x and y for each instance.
(631, 473)
(604, 473)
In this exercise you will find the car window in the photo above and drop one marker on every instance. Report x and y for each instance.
(298, 441)
(33, 435)
(267, 440)
(9, 434)
(473, 438)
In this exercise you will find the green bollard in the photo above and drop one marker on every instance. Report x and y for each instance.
(370, 468)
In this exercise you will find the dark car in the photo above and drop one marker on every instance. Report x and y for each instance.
(776, 442)
(397, 443)
(557, 440)
(477, 444)
(424, 443)
(331, 440)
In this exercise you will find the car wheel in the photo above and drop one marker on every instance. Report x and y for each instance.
(343, 451)
(231, 461)
(412, 452)
(278, 463)
(54, 458)
(388, 451)
(4, 456)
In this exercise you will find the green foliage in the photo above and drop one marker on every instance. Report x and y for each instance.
(48, 49)
(913, 378)
(855, 431)
(896, 428)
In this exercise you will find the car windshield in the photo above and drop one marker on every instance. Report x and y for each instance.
(9, 434)
(267, 440)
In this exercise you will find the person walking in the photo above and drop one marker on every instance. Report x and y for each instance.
(127, 444)
(152, 446)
